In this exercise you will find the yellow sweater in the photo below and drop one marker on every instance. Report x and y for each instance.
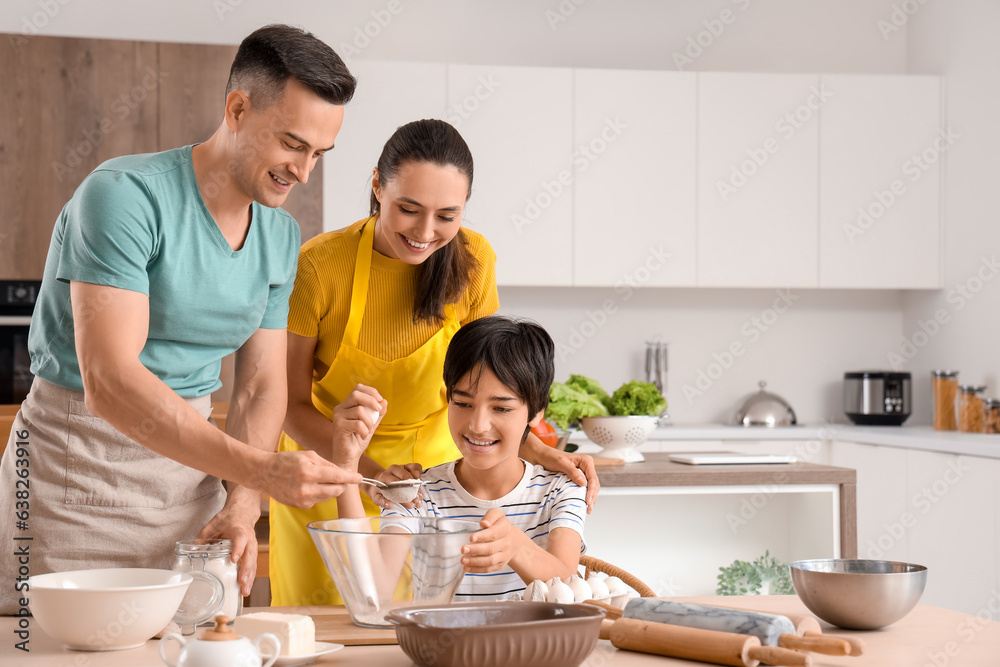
(320, 302)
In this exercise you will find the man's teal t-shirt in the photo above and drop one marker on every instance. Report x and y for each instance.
(139, 223)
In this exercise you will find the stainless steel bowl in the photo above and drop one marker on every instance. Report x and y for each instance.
(858, 594)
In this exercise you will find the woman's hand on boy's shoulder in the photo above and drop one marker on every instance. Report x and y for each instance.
(580, 468)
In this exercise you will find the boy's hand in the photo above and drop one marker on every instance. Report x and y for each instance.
(394, 473)
(493, 547)
(353, 424)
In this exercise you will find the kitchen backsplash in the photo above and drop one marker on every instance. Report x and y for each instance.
(722, 342)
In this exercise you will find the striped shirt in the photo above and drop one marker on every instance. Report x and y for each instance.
(541, 501)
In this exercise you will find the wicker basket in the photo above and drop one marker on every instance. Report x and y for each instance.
(591, 564)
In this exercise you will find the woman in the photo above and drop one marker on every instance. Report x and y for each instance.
(376, 304)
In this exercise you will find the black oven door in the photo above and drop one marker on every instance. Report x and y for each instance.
(15, 373)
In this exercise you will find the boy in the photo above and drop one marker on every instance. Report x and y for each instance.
(497, 374)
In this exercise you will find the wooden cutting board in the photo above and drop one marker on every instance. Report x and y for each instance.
(333, 624)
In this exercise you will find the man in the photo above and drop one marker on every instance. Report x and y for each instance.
(159, 266)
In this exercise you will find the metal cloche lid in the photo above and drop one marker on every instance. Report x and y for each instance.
(764, 409)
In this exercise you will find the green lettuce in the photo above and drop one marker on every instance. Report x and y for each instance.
(637, 398)
(568, 405)
(590, 386)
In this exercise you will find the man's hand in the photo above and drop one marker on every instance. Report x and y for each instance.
(493, 547)
(395, 473)
(236, 522)
(354, 425)
(302, 478)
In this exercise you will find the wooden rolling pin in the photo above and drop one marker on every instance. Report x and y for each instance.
(722, 648)
(807, 626)
(770, 629)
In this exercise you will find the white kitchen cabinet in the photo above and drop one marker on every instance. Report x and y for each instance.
(881, 495)
(517, 121)
(634, 181)
(389, 94)
(757, 179)
(934, 509)
(954, 522)
(881, 149)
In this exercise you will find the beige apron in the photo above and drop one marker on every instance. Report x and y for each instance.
(96, 498)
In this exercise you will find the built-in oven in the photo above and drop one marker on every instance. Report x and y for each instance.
(17, 301)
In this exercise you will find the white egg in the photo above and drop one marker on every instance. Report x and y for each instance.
(616, 586)
(597, 586)
(536, 591)
(581, 591)
(560, 592)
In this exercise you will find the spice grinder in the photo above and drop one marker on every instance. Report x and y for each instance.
(877, 398)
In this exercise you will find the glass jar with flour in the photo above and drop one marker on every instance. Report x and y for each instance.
(212, 557)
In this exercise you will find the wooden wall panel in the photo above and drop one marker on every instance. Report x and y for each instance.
(192, 101)
(68, 105)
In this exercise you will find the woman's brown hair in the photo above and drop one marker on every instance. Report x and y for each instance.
(445, 275)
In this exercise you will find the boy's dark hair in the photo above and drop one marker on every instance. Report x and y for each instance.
(444, 276)
(272, 55)
(520, 353)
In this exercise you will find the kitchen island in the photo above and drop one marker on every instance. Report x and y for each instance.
(927, 636)
(674, 525)
(923, 496)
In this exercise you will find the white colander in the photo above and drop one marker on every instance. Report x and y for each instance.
(619, 436)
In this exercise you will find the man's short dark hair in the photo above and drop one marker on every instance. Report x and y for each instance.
(520, 353)
(272, 55)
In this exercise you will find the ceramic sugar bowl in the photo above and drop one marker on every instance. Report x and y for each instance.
(220, 647)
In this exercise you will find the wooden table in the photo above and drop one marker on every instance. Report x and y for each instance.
(658, 471)
(927, 636)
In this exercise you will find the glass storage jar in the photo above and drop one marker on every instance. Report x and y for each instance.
(945, 387)
(213, 557)
(971, 413)
(992, 408)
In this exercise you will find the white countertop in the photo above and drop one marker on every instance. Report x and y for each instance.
(906, 437)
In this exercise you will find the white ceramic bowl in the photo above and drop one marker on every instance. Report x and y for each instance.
(620, 436)
(106, 610)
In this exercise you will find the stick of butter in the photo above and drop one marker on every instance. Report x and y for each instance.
(297, 632)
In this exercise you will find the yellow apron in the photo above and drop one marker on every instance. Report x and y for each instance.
(414, 428)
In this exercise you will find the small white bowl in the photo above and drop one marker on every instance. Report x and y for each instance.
(106, 610)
